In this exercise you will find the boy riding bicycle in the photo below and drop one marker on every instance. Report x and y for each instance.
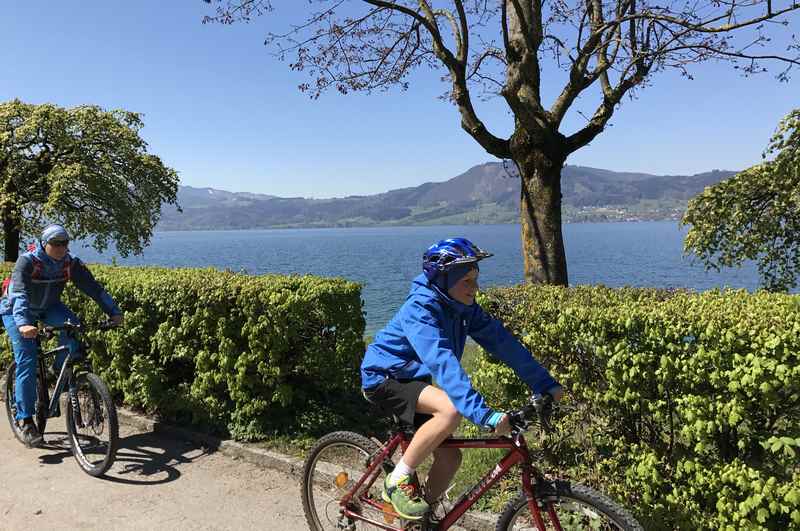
(34, 294)
(425, 341)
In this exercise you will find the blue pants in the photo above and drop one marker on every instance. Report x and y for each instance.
(26, 354)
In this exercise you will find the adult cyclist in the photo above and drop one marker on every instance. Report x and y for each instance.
(424, 341)
(34, 294)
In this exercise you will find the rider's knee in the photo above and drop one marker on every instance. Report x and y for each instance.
(25, 348)
(451, 416)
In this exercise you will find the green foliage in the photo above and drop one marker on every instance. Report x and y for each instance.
(246, 355)
(685, 406)
(84, 166)
(754, 215)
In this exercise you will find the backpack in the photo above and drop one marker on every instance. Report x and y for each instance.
(38, 267)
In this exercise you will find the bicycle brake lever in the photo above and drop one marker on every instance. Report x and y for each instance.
(520, 420)
(516, 421)
(544, 408)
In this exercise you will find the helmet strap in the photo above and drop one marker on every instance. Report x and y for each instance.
(440, 280)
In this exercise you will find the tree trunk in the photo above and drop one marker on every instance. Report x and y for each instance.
(540, 218)
(11, 240)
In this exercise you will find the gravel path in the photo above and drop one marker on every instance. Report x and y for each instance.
(156, 483)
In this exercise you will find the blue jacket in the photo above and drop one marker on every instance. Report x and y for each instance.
(36, 287)
(426, 338)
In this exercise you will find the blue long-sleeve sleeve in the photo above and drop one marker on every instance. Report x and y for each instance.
(18, 290)
(423, 328)
(85, 281)
(490, 334)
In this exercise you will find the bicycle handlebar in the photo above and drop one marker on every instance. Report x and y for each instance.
(49, 331)
(540, 408)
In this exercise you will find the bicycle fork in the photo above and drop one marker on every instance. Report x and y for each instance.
(73, 402)
(541, 494)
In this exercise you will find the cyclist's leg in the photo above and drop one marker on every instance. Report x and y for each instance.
(26, 356)
(446, 462)
(57, 315)
(445, 419)
(400, 398)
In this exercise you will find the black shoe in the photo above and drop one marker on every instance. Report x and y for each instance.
(31, 436)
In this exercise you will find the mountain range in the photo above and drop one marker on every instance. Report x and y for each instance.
(487, 193)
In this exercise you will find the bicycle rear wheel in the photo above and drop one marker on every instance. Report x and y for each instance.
(9, 395)
(92, 424)
(332, 468)
(583, 508)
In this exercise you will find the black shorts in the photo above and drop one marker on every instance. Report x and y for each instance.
(399, 398)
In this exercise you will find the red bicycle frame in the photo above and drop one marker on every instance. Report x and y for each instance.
(517, 454)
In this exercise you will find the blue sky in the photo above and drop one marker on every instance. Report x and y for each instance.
(226, 114)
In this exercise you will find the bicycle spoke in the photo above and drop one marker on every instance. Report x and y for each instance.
(40, 407)
(583, 509)
(89, 426)
(92, 425)
(332, 472)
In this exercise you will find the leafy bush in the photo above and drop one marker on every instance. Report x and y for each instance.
(250, 355)
(685, 406)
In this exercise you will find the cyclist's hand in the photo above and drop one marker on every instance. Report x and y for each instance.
(556, 393)
(503, 427)
(28, 331)
(117, 320)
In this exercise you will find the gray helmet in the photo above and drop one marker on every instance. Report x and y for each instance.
(54, 232)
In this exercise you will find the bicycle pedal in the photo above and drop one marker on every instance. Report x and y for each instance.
(345, 524)
(416, 525)
(428, 522)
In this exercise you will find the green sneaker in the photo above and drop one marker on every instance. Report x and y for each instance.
(405, 498)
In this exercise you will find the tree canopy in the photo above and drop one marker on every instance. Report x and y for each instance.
(754, 215)
(85, 167)
(602, 51)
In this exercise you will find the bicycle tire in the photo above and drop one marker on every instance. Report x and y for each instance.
(9, 395)
(592, 504)
(97, 417)
(335, 463)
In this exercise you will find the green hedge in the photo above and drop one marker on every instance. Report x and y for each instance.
(684, 406)
(246, 355)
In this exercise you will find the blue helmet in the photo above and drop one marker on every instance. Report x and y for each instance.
(447, 254)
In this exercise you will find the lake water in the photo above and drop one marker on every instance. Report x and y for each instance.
(385, 259)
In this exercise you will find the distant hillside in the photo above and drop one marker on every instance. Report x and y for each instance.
(483, 194)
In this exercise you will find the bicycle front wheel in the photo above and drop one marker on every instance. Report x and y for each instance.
(583, 508)
(9, 394)
(92, 424)
(333, 467)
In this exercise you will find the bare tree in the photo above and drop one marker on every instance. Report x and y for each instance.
(499, 47)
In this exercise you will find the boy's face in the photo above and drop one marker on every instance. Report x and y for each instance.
(465, 289)
(56, 249)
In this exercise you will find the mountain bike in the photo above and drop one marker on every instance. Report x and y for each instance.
(92, 426)
(343, 479)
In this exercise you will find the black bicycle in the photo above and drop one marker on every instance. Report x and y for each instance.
(92, 425)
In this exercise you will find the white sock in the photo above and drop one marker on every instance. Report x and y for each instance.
(401, 469)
